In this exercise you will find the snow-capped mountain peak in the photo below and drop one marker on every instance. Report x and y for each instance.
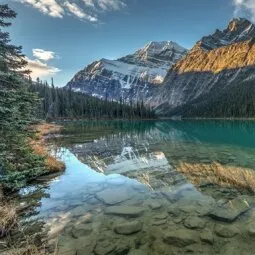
(133, 76)
(156, 53)
(157, 47)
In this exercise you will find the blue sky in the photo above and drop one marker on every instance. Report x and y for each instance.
(60, 37)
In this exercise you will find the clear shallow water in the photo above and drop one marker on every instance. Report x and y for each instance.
(125, 191)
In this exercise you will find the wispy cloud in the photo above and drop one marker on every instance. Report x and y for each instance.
(40, 69)
(39, 66)
(106, 5)
(78, 12)
(87, 10)
(43, 54)
(245, 7)
(49, 7)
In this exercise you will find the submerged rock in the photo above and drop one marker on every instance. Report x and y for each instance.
(104, 248)
(85, 219)
(154, 205)
(161, 216)
(230, 211)
(111, 248)
(81, 230)
(113, 196)
(159, 222)
(129, 211)
(136, 252)
(251, 229)
(78, 211)
(226, 231)
(128, 228)
(180, 237)
(191, 207)
(207, 236)
(194, 222)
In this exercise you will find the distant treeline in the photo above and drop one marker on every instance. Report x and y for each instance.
(57, 103)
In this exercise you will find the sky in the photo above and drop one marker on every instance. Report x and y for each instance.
(61, 37)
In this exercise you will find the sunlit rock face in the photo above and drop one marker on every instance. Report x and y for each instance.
(134, 77)
(216, 63)
(171, 79)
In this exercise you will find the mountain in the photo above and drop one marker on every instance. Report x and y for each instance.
(133, 77)
(216, 78)
(209, 80)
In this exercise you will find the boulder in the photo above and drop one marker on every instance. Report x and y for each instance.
(160, 216)
(125, 211)
(104, 248)
(110, 247)
(192, 207)
(136, 252)
(85, 219)
(251, 229)
(207, 236)
(113, 196)
(154, 205)
(159, 222)
(81, 230)
(230, 211)
(128, 228)
(227, 231)
(78, 211)
(194, 222)
(180, 237)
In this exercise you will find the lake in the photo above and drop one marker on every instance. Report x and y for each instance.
(152, 187)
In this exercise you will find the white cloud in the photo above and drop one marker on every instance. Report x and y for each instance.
(83, 9)
(244, 7)
(49, 7)
(106, 5)
(111, 4)
(89, 3)
(40, 69)
(43, 54)
(78, 12)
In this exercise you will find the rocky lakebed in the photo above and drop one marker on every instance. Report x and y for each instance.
(118, 215)
(123, 193)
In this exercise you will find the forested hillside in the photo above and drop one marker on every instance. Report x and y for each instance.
(57, 103)
(239, 102)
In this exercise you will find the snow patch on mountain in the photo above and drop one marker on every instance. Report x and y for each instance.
(132, 76)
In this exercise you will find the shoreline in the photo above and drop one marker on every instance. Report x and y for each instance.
(12, 210)
(39, 146)
(55, 121)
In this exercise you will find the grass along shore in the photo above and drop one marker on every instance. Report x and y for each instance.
(10, 210)
(39, 146)
(218, 174)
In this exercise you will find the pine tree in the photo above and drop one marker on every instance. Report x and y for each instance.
(17, 107)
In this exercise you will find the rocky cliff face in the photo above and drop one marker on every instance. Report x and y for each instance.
(133, 77)
(178, 82)
(215, 64)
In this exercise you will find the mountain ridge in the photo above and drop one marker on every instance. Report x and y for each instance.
(172, 79)
(206, 70)
(132, 77)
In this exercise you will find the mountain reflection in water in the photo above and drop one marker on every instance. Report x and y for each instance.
(153, 187)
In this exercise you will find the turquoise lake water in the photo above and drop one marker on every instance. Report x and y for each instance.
(153, 187)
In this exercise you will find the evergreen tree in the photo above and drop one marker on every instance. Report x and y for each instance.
(60, 103)
(17, 106)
